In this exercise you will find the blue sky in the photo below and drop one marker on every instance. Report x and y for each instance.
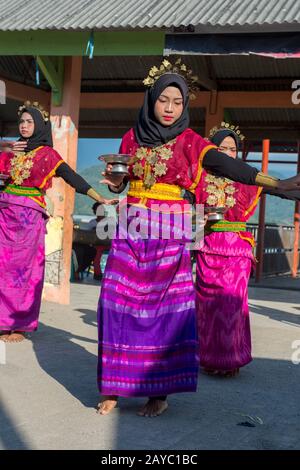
(284, 170)
(90, 149)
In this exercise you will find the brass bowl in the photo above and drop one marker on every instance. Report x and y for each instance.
(118, 161)
(215, 213)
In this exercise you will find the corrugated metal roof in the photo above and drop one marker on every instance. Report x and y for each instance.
(230, 72)
(126, 73)
(25, 15)
(223, 67)
(254, 66)
(20, 69)
(135, 67)
(263, 115)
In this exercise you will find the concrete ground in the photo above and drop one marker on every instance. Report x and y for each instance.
(48, 388)
(283, 281)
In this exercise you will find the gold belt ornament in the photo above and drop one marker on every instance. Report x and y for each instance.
(226, 226)
(159, 191)
(22, 191)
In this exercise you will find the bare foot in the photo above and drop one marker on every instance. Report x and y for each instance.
(107, 404)
(231, 373)
(211, 371)
(4, 335)
(15, 337)
(153, 408)
(222, 373)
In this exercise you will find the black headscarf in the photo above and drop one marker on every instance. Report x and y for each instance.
(149, 132)
(42, 134)
(222, 134)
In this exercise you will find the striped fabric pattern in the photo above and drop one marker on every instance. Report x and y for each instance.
(147, 324)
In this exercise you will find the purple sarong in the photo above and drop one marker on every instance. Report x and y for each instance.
(147, 321)
(22, 261)
(223, 270)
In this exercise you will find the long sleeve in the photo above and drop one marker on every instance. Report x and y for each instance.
(292, 195)
(220, 164)
(73, 179)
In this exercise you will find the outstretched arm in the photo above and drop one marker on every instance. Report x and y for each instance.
(221, 165)
(80, 184)
(73, 179)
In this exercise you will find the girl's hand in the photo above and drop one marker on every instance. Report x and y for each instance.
(111, 202)
(110, 178)
(12, 146)
(19, 146)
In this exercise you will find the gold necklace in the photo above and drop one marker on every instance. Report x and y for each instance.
(155, 162)
(220, 191)
(21, 165)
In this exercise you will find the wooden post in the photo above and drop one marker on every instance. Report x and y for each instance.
(262, 212)
(296, 227)
(245, 151)
(214, 113)
(65, 120)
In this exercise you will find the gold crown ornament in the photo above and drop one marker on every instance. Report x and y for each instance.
(178, 67)
(36, 105)
(230, 127)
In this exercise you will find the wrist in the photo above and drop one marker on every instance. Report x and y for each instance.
(94, 195)
(265, 180)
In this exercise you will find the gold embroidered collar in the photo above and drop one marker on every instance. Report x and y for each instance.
(21, 165)
(220, 191)
(150, 163)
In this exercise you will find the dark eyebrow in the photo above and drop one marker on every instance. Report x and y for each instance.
(177, 97)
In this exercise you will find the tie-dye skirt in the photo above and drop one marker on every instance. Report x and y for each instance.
(22, 261)
(223, 269)
(147, 321)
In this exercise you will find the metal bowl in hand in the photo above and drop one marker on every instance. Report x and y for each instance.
(215, 213)
(119, 162)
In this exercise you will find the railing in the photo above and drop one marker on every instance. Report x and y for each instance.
(278, 249)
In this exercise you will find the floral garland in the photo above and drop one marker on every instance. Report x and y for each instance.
(220, 192)
(21, 165)
(155, 162)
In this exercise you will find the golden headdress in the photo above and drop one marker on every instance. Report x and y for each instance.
(178, 67)
(230, 127)
(36, 105)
